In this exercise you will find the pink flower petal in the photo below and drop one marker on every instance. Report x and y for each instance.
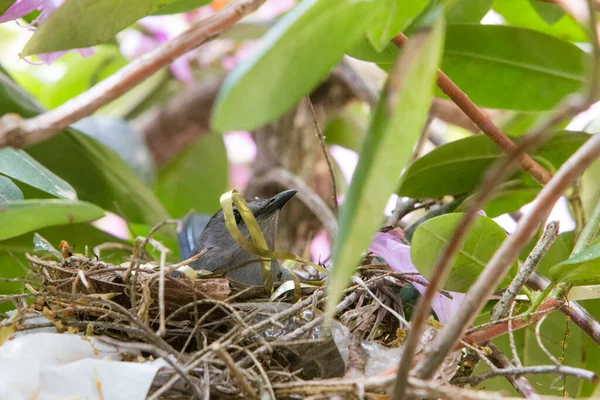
(49, 58)
(20, 9)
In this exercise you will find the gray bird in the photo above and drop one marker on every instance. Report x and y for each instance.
(223, 252)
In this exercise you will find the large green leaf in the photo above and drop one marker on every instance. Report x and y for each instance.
(294, 56)
(97, 173)
(179, 6)
(478, 247)
(559, 251)
(18, 217)
(508, 197)
(21, 166)
(84, 23)
(8, 190)
(394, 16)
(100, 176)
(532, 71)
(581, 269)
(195, 179)
(457, 167)
(348, 129)
(4, 5)
(468, 11)
(550, 13)
(523, 13)
(395, 128)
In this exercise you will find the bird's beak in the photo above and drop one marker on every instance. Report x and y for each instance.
(279, 200)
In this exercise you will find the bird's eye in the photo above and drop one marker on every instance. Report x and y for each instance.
(238, 216)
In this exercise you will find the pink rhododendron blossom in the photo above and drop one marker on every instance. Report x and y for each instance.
(397, 256)
(21, 8)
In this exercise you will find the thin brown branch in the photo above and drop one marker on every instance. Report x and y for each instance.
(235, 371)
(502, 260)
(321, 139)
(501, 308)
(520, 383)
(483, 122)
(44, 126)
(533, 370)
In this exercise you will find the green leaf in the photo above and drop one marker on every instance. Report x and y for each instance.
(84, 23)
(294, 56)
(8, 190)
(581, 269)
(551, 13)
(166, 236)
(394, 16)
(508, 197)
(478, 247)
(522, 13)
(457, 167)
(552, 334)
(590, 188)
(180, 6)
(363, 50)
(468, 11)
(532, 71)
(195, 179)
(559, 251)
(4, 5)
(348, 129)
(100, 176)
(97, 173)
(21, 166)
(18, 217)
(81, 74)
(395, 128)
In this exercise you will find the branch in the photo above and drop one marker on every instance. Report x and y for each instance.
(579, 315)
(37, 129)
(538, 369)
(501, 308)
(483, 122)
(505, 256)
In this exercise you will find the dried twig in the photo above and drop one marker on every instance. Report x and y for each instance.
(235, 371)
(321, 139)
(535, 370)
(501, 308)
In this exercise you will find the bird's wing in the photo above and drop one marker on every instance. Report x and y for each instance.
(189, 231)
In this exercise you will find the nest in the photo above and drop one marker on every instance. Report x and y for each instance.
(230, 341)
